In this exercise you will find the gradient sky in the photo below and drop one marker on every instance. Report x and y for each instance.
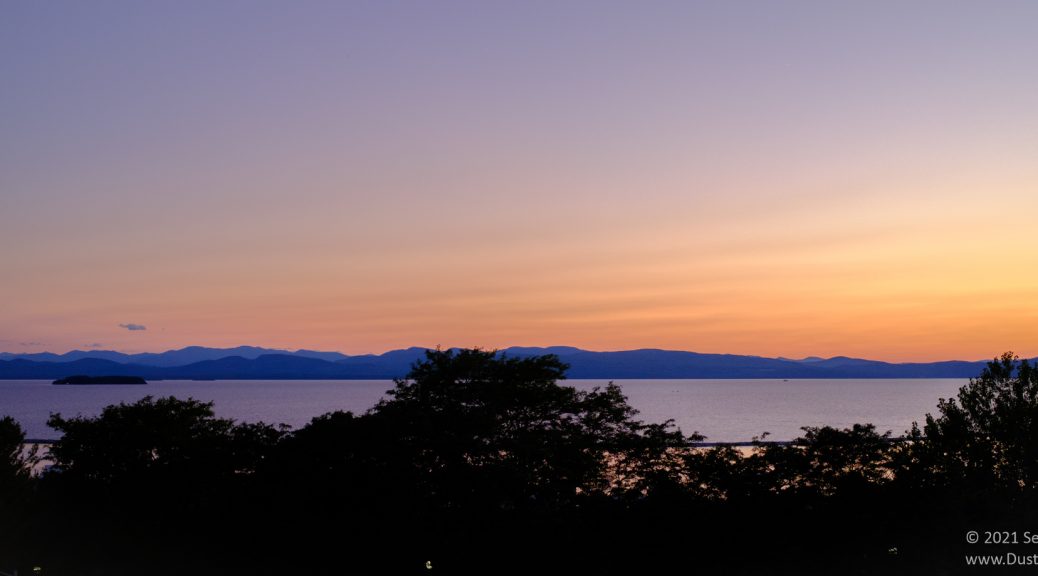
(772, 178)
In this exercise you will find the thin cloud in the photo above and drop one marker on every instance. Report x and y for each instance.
(133, 327)
(94, 345)
(30, 343)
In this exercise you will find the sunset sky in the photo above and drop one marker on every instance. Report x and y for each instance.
(770, 178)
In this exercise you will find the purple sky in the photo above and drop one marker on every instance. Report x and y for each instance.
(780, 178)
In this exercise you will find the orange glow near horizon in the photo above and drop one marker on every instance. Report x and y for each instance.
(878, 288)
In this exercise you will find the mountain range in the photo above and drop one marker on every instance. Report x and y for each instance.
(255, 363)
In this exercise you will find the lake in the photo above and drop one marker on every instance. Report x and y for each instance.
(723, 410)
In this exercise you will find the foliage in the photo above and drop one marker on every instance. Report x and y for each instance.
(828, 460)
(163, 437)
(162, 474)
(483, 425)
(986, 438)
(15, 461)
(475, 456)
(823, 462)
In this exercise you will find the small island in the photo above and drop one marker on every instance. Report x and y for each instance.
(81, 379)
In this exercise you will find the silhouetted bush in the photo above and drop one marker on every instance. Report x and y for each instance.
(987, 437)
(142, 480)
(16, 462)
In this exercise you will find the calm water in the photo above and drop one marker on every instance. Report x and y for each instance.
(723, 410)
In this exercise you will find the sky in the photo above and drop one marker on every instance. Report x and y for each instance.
(771, 178)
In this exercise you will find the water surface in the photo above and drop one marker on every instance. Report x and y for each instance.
(723, 410)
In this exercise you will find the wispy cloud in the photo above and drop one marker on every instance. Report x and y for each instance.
(133, 327)
(30, 344)
(94, 345)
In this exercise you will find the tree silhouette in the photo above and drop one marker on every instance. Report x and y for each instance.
(160, 474)
(986, 437)
(477, 461)
(481, 424)
(16, 462)
(827, 460)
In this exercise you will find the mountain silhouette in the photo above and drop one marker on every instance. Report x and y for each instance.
(255, 363)
(179, 357)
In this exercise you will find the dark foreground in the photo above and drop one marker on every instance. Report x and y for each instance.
(483, 464)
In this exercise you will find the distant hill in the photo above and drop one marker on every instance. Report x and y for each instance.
(180, 357)
(253, 363)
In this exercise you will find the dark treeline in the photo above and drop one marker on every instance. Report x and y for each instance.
(478, 462)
